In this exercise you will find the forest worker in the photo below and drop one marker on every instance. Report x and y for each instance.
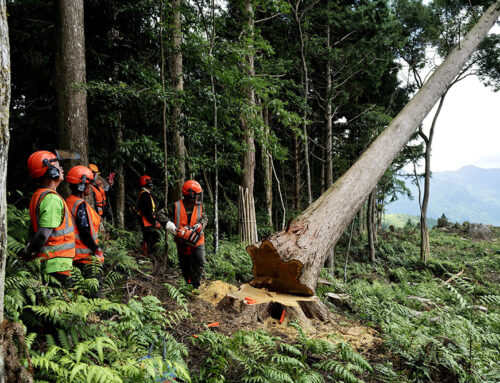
(86, 220)
(52, 236)
(146, 210)
(98, 193)
(190, 220)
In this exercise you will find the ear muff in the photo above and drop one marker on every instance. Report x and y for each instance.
(82, 185)
(52, 172)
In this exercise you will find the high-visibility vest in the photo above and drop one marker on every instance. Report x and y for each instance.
(61, 242)
(100, 199)
(145, 222)
(181, 218)
(82, 253)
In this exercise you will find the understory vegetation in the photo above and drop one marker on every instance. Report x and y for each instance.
(439, 322)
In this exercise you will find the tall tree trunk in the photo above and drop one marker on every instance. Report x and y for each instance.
(178, 84)
(268, 170)
(329, 117)
(248, 158)
(424, 230)
(164, 122)
(305, 87)
(291, 259)
(71, 78)
(120, 183)
(296, 178)
(370, 226)
(4, 151)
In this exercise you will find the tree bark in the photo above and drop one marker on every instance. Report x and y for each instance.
(329, 117)
(291, 259)
(305, 87)
(424, 230)
(71, 79)
(248, 158)
(178, 83)
(296, 178)
(120, 183)
(4, 150)
(268, 171)
(370, 226)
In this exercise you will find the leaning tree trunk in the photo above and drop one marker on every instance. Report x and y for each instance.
(291, 259)
(370, 226)
(4, 149)
(178, 83)
(71, 78)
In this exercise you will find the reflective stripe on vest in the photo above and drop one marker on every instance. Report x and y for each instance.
(61, 242)
(141, 214)
(181, 218)
(82, 251)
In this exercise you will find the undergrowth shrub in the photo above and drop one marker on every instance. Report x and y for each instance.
(256, 356)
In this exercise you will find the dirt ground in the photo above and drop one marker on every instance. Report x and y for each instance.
(203, 311)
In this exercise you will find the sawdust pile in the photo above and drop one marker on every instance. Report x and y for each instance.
(361, 337)
(214, 291)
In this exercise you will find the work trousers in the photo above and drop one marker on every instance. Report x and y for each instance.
(151, 236)
(191, 262)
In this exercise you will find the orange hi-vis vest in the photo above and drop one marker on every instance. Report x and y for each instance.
(100, 198)
(181, 218)
(145, 222)
(61, 243)
(82, 253)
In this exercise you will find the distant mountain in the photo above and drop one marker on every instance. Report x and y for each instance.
(468, 194)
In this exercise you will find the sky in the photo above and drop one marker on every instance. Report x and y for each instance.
(467, 131)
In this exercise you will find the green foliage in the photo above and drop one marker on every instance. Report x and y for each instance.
(257, 356)
(437, 329)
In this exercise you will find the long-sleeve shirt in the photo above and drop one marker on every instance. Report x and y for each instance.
(82, 222)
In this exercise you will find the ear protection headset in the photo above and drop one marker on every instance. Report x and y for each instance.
(52, 172)
(82, 185)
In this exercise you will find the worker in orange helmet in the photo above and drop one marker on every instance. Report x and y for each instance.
(188, 225)
(52, 236)
(146, 209)
(87, 221)
(98, 193)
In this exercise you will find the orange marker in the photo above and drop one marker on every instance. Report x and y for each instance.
(195, 336)
(282, 316)
(214, 324)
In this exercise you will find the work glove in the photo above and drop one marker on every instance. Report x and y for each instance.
(25, 254)
(198, 227)
(99, 254)
(157, 225)
(171, 228)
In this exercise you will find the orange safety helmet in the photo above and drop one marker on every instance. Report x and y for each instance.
(191, 189)
(94, 168)
(145, 180)
(40, 161)
(80, 174)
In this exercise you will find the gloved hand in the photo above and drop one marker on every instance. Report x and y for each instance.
(198, 227)
(171, 228)
(99, 254)
(157, 225)
(25, 254)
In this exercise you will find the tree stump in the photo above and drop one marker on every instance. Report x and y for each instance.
(260, 305)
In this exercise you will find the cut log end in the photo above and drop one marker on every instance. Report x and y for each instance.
(274, 274)
(254, 305)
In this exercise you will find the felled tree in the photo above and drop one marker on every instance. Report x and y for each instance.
(291, 260)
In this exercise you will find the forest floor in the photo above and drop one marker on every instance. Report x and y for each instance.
(203, 311)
